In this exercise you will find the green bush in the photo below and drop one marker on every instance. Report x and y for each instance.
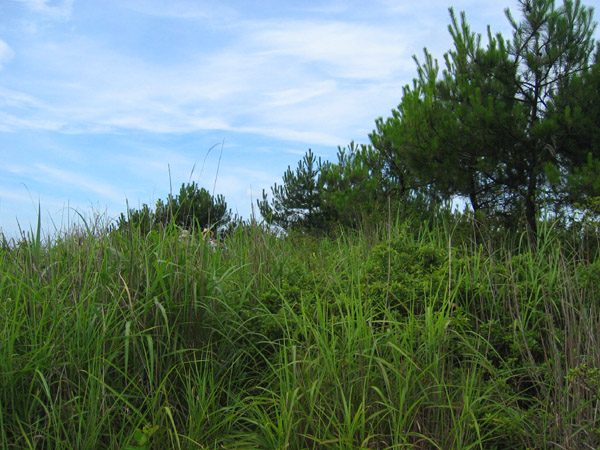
(406, 275)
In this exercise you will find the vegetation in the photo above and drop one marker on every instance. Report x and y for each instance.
(511, 127)
(380, 318)
(411, 336)
(193, 208)
(297, 203)
(486, 130)
(356, 191)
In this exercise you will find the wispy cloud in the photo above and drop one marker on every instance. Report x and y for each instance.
(6, 53)
(80, 181)
(10, 97)
(343, 50)
(20, 195)
(11, 123)
(88, 87)
(181, 9)
(156, 163)
(296, 95)
(59, 9)
(134, 92)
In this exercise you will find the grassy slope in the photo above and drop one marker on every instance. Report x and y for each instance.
(406, 337)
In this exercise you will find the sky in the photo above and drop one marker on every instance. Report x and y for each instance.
(106, 104)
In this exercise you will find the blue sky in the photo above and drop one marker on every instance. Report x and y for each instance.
(104, 102)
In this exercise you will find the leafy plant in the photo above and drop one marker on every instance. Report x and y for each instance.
(142, 438)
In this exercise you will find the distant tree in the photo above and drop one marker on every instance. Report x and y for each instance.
(192, 208)
(354, 190)
(357, 189)
(297, 203)
(142, 219)
(482, 130)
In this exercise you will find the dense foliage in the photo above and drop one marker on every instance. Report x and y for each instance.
(487, 129)
(297, 203)
(356, 191)
(511, 127)
(193, 208)
(414, 335)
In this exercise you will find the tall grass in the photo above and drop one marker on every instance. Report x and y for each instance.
(408, 336)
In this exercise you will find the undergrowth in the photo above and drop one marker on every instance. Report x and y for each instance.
(409, 336)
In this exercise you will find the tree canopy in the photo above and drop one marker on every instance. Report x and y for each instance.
(484, 129)
(511, 125)
(296, 203)
(194, 207)
(319, 196)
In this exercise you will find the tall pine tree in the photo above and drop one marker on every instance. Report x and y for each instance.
(483, 130)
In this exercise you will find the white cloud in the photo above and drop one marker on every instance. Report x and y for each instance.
(80, 181)
(10, 97)
(6, 53)
(295, 95)
(16, 195)
(179, 9)
(291, 134)
(10, 123)
(344, 50)
(154, 164)
(315, 81)
(289, 79)
(59, 9)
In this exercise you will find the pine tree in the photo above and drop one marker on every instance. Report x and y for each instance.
(482, 130)
(297, 203)
(193, 208)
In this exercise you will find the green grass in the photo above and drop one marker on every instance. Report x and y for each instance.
(403, 337)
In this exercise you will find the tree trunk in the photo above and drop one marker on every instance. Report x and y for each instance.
(530, 209)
